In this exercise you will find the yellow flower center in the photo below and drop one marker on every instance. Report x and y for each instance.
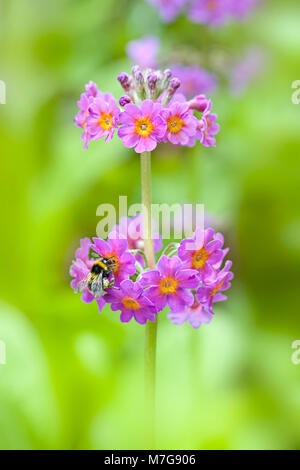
(199, 258)
(168, 285)
(143, 127)
(215, 290)
(105, 121)
(211, 4)
(130, 303)
(175, 123)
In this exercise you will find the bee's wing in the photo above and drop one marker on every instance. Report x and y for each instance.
(96, 286)
(82, 285)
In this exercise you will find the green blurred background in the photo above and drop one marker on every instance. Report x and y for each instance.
(74, 379)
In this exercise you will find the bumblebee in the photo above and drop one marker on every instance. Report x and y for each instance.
(98, 278)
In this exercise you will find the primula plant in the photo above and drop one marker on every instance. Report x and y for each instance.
(125, 271)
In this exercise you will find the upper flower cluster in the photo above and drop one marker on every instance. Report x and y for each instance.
(210, 12)
(153, 112)
(190, 281)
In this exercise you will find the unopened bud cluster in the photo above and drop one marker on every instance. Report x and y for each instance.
(148, 84)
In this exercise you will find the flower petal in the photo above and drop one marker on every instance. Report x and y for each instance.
(101, 247)
(188, 279)
(150, 278)
(87, 297)
(177, 302)
(126, 316)
(178, 318)
(118, 243)
(158, 300)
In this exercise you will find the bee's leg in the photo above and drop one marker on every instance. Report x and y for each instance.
(112, 264)
(112, 281)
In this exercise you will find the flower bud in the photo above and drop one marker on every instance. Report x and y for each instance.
(152, 80)
(174, 85)
(167, 74)
(125, 80)
(139, 81)
(91, 89)
(124, 99)
(171, 90)
(199, 103)
(135, 69)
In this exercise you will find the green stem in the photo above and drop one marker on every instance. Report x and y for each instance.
(151, 327)
(195, 178)
(195, 197)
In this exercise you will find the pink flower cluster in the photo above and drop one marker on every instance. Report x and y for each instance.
(210, 12)
(189, 282)
(153, 112)
(98, 114)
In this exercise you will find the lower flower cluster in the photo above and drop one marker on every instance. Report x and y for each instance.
(189, 281)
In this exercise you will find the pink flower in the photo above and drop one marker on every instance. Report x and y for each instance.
(80, 118)
(195, 315)
(92, 89)
(199, 103)
(116, 248)
(132, 230)
(103, 117)
(208, 127)
(80, 269)
(203, 252)
(83, 252)
(142, 128)
(211, 292)
(132, 301)
(181, 124)
(143, 52)
(170, 284)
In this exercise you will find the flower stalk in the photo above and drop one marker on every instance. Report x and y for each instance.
(151, 327)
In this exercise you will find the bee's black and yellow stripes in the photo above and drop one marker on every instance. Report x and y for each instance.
(98, 266)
